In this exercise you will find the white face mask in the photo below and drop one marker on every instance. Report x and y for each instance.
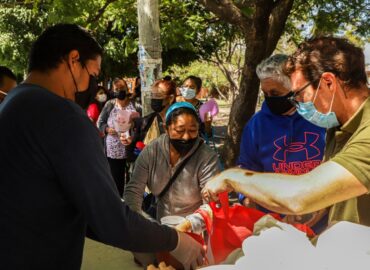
(188, 93)
(101, 98)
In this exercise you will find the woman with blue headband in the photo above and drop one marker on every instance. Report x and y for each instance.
(180, 152)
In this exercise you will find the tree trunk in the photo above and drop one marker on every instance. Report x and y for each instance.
(260, 42)
(242, 108)
(262, 23)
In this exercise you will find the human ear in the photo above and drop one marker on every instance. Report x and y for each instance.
(73, 58)
(329, 79)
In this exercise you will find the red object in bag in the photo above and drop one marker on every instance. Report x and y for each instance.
(231, 225)
(304, 228)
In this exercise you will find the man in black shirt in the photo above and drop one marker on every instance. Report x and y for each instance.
(55, 179)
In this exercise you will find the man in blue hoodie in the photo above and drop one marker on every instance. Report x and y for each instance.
(277, 139)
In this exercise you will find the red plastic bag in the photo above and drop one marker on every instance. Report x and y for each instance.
(231, 225)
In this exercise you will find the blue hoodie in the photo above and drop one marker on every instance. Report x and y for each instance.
(281, 143)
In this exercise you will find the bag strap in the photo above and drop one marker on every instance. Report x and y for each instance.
(177, 172)
(224, 201)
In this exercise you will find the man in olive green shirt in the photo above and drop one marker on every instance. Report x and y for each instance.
(330, 90)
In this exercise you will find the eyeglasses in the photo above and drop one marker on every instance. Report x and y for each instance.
(292, 99)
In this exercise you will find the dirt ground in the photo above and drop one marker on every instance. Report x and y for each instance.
(98, 256)
(220, 122)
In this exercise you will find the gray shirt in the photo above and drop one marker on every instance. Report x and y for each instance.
(153, 169)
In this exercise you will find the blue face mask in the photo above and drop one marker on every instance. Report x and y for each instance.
(309, 112)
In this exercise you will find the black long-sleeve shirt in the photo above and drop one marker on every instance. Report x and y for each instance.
(54, 181)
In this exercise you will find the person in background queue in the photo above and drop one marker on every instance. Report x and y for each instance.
(118, 84)
(94, 109)
(55, 179)
(114, 147)
(189, 90)
(150, 127)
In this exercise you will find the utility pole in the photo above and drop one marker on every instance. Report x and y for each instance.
(150, 49)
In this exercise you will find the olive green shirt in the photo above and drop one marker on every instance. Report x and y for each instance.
(349, 146)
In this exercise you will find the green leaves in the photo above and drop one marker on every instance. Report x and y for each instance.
(320, 17)
(188, 31)
(18, 29)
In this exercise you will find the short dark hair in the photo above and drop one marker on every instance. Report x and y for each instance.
(57, 41)
(329, 54)
(196, 80)
(180, 111)
(6, 72)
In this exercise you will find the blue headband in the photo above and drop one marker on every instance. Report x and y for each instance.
(179, 105)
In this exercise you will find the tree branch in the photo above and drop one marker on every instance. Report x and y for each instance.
(225, 71)
(277, 20)
(226, 10)
(100, 12)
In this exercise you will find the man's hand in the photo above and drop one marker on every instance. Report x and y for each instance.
(216, 185)
(188, 251)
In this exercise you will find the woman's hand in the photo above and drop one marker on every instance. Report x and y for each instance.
(125, 139)
(111, 131)
(185, 226)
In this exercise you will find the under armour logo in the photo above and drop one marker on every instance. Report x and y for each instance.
(308, 146)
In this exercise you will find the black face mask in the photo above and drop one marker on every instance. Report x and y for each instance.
(84, 98)
(183, 146)
(157, 105)
(121, 95)
(279, 105)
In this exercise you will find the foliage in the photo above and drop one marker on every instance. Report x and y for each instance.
(18, 29)
(188, 32)
(323, 17)
(209, 73)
